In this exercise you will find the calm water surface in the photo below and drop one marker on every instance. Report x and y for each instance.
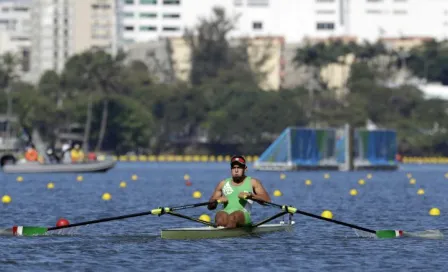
(386, 201)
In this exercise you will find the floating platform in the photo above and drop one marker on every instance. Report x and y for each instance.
(343, 149)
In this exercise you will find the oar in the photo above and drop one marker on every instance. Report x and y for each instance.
(30, 230)
(378, 233)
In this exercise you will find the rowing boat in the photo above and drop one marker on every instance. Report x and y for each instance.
(220, 232)
(213, 231)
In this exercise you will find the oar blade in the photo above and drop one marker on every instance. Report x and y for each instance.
(389, 233)
(28, 231)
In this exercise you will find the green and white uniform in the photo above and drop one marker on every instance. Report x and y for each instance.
(234, 203)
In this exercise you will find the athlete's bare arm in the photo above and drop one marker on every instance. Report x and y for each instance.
(259, 191)
(217, 195)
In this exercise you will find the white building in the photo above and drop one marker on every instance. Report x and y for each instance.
(15, 30)
(143, 20)
(62, 28)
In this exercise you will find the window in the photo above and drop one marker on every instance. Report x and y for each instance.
(171, 15)
(237, 3)
(326, 11)
(171, 28)
(129, 28)
(323, 26)
(98, 6)
(373, 11)
(129, 2)
(21, 9)
(374, 1)
(148, 15)
(258, 3)
(148, 28)
(128, 14)
(148, 2)
(325, 1)
(171, 2)
(400, 12)
(257, 25)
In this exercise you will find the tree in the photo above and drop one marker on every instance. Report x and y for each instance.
(96, 70)
(9, 64)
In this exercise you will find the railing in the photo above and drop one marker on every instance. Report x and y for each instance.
(249, 158)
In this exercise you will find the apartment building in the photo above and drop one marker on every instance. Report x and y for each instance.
(15, 29)
(62, 28)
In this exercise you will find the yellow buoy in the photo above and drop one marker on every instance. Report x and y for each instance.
(308, 182)
(205, 217)
(277, 193)
(409, 175)
(19, 179)
(282, 176)
(361, 182)
(123, 184)
(186, 177)
(134, 177)
(421, 192)
(50, 185)
(353, 192)
(197, 194)
(369, 176)
(106, 196)
(6, 199)
(446, 175)
(326, 176)
(79, 178)
(434, 212)
(412, 181)
(327, 214)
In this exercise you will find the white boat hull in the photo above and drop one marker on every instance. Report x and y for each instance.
(22, 168)
(220, 232)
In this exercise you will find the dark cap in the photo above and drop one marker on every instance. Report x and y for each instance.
(238, 160)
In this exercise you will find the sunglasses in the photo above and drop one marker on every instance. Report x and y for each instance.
(240, 160)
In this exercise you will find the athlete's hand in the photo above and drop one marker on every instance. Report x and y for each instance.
(222, 199)
(245, 195)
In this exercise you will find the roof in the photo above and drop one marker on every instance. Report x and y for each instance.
(434, 90)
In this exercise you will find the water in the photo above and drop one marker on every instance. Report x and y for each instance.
(387, 201)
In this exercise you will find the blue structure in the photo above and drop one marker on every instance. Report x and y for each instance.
(305, 148)
(371, 149)
(300, 148)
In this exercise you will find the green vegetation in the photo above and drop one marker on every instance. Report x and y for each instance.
(126, 108)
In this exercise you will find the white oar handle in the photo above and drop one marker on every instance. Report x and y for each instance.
(163, 210)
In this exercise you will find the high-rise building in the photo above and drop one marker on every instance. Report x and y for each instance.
(63, 28)
(15, 30)
(143, 20)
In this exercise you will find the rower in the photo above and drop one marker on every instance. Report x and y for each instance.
(235, 193)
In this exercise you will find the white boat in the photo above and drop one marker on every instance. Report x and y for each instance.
(220, 232)
(31, 167)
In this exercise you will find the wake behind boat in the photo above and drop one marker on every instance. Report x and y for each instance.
(36, 167)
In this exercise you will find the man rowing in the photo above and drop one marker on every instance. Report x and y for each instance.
(236, 193)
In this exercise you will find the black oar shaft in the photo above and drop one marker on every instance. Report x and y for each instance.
(101, 220)
(322, 218)
(193, 219)
(126, 216)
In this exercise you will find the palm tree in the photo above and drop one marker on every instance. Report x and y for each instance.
(8, 74)
(106, 73)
